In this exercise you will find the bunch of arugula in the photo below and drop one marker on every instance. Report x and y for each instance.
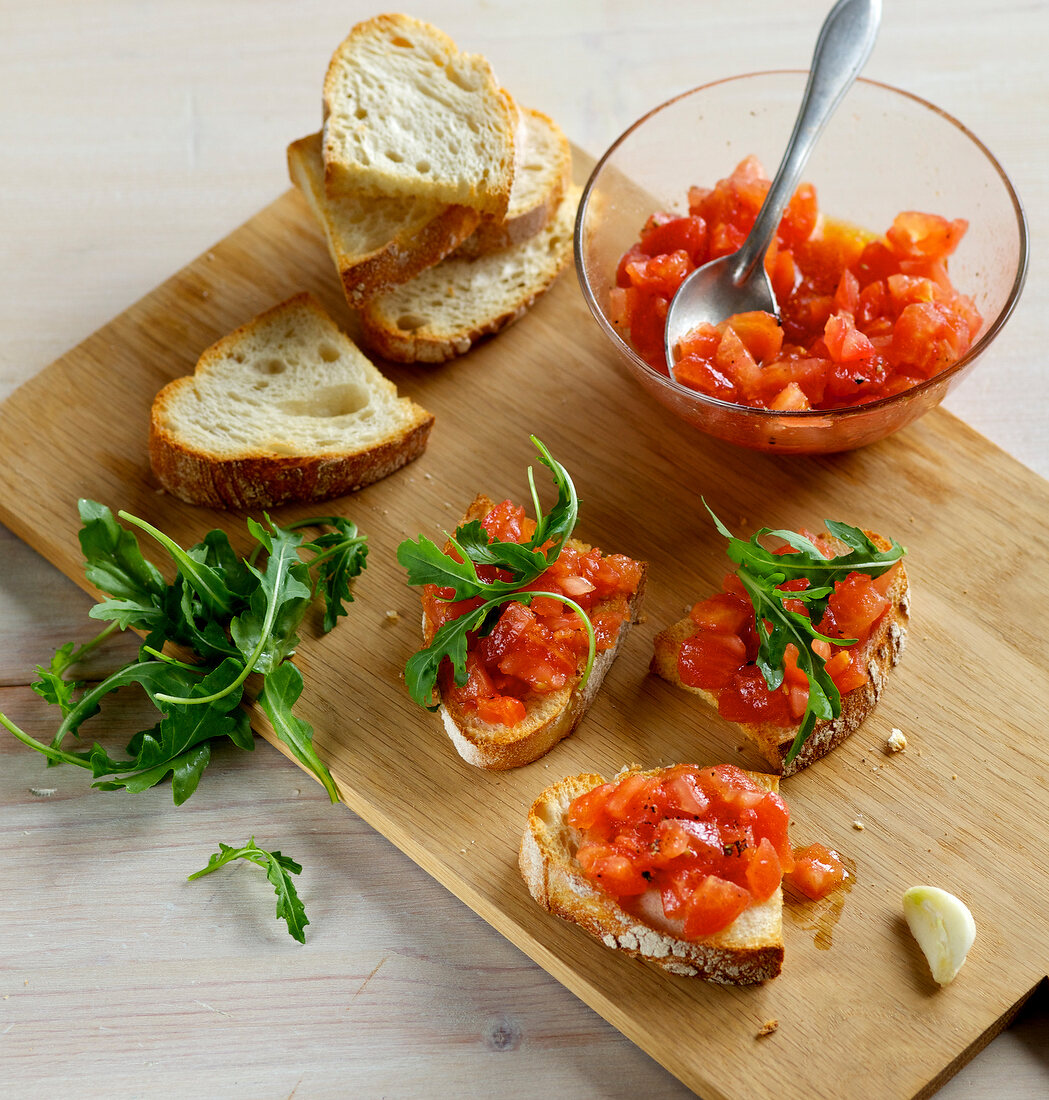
(761, 572)
(522, 563)
(234, 617)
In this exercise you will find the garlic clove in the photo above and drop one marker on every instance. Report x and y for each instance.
(943, 927)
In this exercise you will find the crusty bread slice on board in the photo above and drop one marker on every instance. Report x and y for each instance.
(881, 652)
(376, 242)
(406, 113)
(285, 408)
(542, 174)
(550, 717)
(749, 950)
(444, 311)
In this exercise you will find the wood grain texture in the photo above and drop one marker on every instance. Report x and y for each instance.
(940, 811)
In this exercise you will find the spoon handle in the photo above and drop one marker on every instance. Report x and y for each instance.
(845, 42)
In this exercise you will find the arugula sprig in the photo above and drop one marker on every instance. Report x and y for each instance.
(522, 563)
(278, 869)
(761, 572)
(236, 618)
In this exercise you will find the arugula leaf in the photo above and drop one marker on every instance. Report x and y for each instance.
(278, 868)
(761, 572)
(339, 556)
(114, 564)
(282, 688)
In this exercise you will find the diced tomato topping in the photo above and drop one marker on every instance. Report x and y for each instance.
(863, 317)
(708, 842)
(817, 870)
(538, 648)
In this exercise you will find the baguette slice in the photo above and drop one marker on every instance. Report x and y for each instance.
(444, 311)
(881, 652)
(542, 174)
(285, 408)
(550, 717)
(749, 950)
(406, 113)
(376, 242)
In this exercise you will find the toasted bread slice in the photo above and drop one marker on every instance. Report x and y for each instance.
(444, 311)
(285, 408)
(542, 174)
(406, 113)
(749, 950)
(376, 242)
(550, 717)
(881, 652)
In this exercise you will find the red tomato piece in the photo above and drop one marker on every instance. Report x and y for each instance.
(817, 870)
(764, 873)
(710, 660)
(715, 903)
(724, 613)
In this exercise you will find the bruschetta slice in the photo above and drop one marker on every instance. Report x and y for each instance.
(524, 691)
(679, 866)
(713, 653)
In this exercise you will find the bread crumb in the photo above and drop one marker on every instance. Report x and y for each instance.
(392, 616)
(858, 825)
(897, 741)
(955, 776)
(767, 1028)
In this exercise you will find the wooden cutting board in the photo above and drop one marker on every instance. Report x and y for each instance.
(965, 807)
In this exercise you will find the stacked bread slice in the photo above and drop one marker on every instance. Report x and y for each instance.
(447, 209)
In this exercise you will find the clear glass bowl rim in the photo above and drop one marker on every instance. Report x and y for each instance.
(936, 381)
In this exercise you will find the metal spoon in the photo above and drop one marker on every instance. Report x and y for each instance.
(737, 283)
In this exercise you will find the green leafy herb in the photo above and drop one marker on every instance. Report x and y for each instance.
(427, 563)
(761, 572)
(236, 618)
(278, 868)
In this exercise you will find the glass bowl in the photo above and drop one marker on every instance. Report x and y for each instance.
(884, 151)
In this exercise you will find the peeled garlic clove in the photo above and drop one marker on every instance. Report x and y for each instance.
(943, 927)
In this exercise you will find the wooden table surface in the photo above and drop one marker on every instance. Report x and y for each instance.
(135, 135)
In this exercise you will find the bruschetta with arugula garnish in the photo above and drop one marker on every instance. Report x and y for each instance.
(680, 866)
(520, 624)
(796, 647)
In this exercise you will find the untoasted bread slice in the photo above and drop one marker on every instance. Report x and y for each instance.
(444, 311)
(881, 653)
(550, 717)
(542, 174)
(749, 950)
(406, 113)
(283, 409)
(376, 242)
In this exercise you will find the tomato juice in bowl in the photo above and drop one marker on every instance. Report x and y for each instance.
(884, 152)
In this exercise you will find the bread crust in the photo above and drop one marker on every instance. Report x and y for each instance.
(263, 480)
(550, 717)
(750, 950)
(417, 245)
(882, 652)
